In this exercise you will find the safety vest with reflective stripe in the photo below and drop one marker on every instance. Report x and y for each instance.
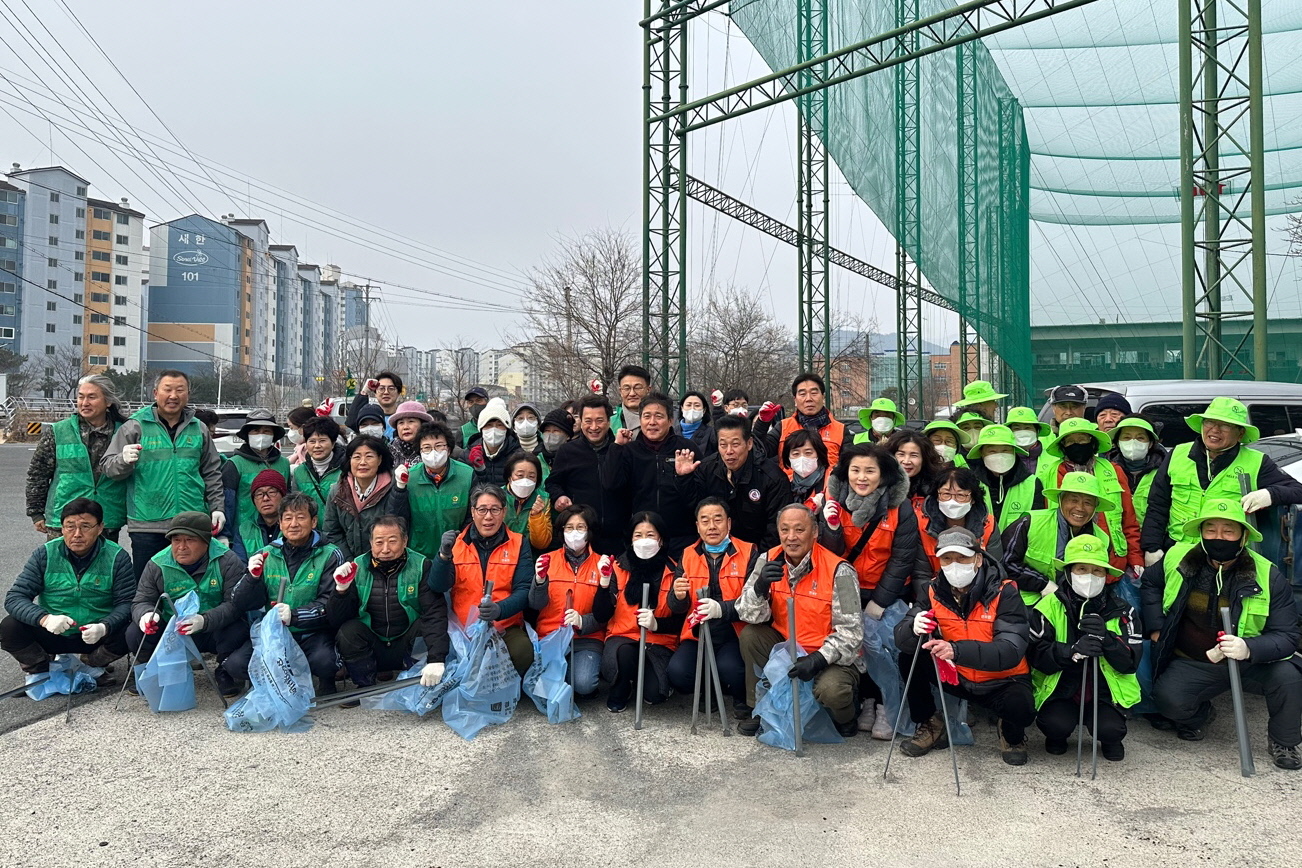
(1123, 687)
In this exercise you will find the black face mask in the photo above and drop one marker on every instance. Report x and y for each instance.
(1222, 549)
(1080, 453)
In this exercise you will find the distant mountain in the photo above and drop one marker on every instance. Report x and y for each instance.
(878, 344)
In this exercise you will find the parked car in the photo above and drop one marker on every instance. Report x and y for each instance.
(229, 422)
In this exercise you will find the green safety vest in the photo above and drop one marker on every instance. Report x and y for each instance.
(1042, 546)
(1187, 494)
(249, 469)
(86, 600)
(1106, 473)
(302, 480)
(437, 508)
(74, 477)
(252, 535)
(468, 430)
(1018, 502)
(304, 585)
(1140, 496)
(517, 518)
(167, 480)
(1255, 607)
(1124, 688)
(177, 582)
(408, 587)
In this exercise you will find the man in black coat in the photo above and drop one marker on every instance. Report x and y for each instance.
(754, 489)
(576, 476)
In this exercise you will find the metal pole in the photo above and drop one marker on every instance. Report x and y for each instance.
(1246, 767)
(1094, 759)
(949, 736)
(1256, 157)
(795, 683)
(1188, 222)
(1211, 159)
(1080, 720)
(904, 701)
(718, 686)
(641, 661)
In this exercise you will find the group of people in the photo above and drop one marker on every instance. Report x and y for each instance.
(1016, 552)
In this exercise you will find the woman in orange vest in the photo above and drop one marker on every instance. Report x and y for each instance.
(721, 563)
(869, 520)
(488, 551)
(958, 501)
(645, 563)
(918, 458)
(804, 460)
(574, 570)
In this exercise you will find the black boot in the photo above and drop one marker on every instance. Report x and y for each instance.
(363, 674)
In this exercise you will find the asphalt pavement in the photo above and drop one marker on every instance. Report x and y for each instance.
(388, 789)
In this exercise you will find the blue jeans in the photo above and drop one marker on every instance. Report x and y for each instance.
(727, 653)
(587, 666)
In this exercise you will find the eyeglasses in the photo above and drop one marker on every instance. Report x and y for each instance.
(632, 387)
(71, 529)
(265, 493)
(488, 510)
(960, 496)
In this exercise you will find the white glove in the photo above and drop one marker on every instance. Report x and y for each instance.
(1234, 647)
(191, 625)
(147, 620)
(57, 624)
(818, 500)
(431, 674)
(874, 611)
(370, 386)
(832, 514)
(646, 618)
(255, 564)
(218, 521)
(285, 613)
(1137, 572)
(1256, 500)
(131, 453)
(1215, 654)
(923, 624)
(344, 576)
(716, 398)
(401, 474)
(1049, 589)
(1151, 558)
(605, 568)
(93, 634)
(573, 619)
(709, 610)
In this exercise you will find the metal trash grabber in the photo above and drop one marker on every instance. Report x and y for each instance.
(132, 658)
(1246, 766)
(1094, 759)
(904, 701)
(1245, 487)
(718, 685)
(795, 685)
(641, 661)
(949, 736)
(1080, 719)
(280, 595)
(372, 690)
(696, 688)
(569, 663)
(23, 688)
(705, 660)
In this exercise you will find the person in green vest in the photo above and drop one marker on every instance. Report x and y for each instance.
(476, 400)
(1032, 543)
(1138, 453)
(1083, 619)
(72, 597)
(879, 420)
(557, 430)
(1028, 433)
(1209, 467)
(980, 397)
(1210, 569)
(634, 384)
(1079, 445)
(171, 462)
(970, 424)
(306, 562)
(1011, 489)
(66, 463)
(949, 441)
(381, 602)
(260, 526)
(195, 560)
(437, 492)
(322, 462)
(528, 508)
(261, 433)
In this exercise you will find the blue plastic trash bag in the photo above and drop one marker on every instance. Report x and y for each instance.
(546, 682)
(882, 657)
(282, 682)
(167, 681)
(490, 687)
(67, 675)
(416, 698)
(1128, 588)
(775, 712)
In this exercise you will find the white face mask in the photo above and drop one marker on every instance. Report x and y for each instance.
(1000, 462)
(646, 547)
(739, 411)
(295, 436)
(803, 465)
(946, 453)
(959, 575)
(1087, 585)
(259, 442)
(494, 437)
(693, 416)
(552, 442)
(371, 431)
(522, 488)
(882, 425)
(526, 427)
(1133, 450)
(435, 458)
(575, 540)
(1025, 437)
(954, 509)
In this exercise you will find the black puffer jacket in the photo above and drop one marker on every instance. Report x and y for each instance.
(1050, 653)
(932, 521)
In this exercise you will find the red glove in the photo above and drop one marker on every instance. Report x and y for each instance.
(152, 627)
(948, 671)
(832, 513)
(606, 567)
(325, 408)
(716, 397)
(371, 385)
(540, 566)
(401, 474)
(596, 387)
(476, 457)
(769, 411)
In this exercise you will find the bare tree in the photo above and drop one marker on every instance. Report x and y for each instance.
(737, 344)
(1294, 229)
(56, 375)
(457, 371)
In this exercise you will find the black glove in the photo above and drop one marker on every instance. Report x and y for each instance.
(1088, 646)
(446, 543)
(489, 611)
(770, 573)
(1092, 625)
(807, 668)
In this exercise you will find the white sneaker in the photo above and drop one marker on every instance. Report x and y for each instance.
(867, 718)
(883, 729)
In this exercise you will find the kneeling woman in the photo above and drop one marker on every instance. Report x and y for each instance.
(644, 564)
(577, 572)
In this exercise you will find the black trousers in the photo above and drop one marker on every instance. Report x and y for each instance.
(221, 643)
(727, 653)
(1058, 718)
(143, 547)
(318, 646)
(621, 663)
(32, 646)
(358, 642)
(1184, 691)
(1010, 699)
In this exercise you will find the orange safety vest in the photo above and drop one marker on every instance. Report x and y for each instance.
(468, 584)
(978, 626)
(813, 593)
(732, 577)
(624, 621)
(871, 562)
(585, 583)
(929, 541)
(832, 434)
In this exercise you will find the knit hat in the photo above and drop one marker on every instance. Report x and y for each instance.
(494, 409)
(410, 410)
(526, 406)
(1113, 401)
(269, 479)
(195, 524)
(370, 412)
(558, 418)
(260, 419)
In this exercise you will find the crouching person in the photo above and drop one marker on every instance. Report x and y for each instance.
(381, 602)
(195, 561)
(73, 596)
(824, 590)
(974, 618)
(1083, 619)
(306, 563)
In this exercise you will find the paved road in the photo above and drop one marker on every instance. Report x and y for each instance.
(379, 788)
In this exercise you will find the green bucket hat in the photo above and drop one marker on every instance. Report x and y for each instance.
(945, 425)
(880, 405)
(994, 435)
(1077, 426)
(1134, 422)
(1081, 483)
(1227, 508)
(1230, 410)
(979, 392)
(1085, 549)
(1026, 416)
